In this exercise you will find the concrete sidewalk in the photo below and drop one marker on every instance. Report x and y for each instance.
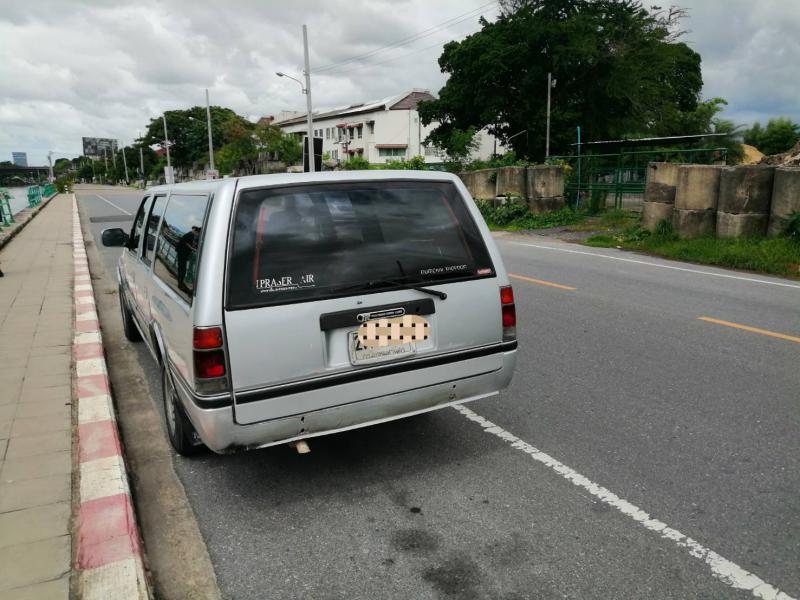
(36, 334)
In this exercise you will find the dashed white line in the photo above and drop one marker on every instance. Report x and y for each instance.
(114, 205)
(723, 569)
(660, 266)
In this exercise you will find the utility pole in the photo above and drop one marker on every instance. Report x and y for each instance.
(210, 139)
(125, 164)
(141, 160)
(105, 157)
(310, 134)
(550, 85)
(114, 158)
(50, 163)
(166, 139)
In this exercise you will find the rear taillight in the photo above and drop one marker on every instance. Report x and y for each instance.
(209, 365)
(209, 356)
(509, 314)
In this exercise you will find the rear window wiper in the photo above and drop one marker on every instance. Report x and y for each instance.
(375, 283)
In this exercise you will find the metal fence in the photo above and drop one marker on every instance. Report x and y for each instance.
(618, 180)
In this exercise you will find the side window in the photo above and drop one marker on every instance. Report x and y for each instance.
(179, 243)
(136, 230)
(152, 227)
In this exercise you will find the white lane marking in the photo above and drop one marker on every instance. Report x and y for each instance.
(723, 569)
(652, 264)
(114, 205)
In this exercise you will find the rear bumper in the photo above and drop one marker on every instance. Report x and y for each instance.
(218, 430)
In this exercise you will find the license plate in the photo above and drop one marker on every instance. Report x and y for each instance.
(363, 355)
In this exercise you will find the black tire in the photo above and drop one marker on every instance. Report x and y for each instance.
(180, 431)
(131, 332)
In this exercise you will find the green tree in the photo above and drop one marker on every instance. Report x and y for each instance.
(619, 69)
(240, 148)
(188, 133)
(271, 140)
(780, 135)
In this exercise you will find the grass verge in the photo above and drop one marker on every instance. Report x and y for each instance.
(777, 256)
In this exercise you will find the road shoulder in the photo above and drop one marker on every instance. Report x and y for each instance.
(175, 550)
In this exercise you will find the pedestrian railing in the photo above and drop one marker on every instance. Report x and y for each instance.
(34, 196)
(49, 190)
(6, 216)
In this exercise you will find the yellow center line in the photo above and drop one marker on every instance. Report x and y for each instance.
(542, 282)
(782, 336)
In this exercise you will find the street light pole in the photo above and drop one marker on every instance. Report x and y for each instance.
(50, 163)
(210, 139)
(307, 73)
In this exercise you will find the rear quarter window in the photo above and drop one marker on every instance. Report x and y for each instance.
(327, 240)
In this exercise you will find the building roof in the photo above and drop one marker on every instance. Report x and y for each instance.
(405, 101)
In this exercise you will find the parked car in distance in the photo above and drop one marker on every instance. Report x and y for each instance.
(283, 307)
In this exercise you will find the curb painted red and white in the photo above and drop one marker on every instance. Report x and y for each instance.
(109, 549)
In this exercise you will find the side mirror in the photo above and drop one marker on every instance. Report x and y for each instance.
(114, 237)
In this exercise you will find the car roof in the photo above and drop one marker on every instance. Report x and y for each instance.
(277, 179)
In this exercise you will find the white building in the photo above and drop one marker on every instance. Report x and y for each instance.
(380, 131)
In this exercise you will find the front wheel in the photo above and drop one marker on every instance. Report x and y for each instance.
(181, 433)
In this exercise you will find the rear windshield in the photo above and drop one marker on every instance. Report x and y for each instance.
(329, 240)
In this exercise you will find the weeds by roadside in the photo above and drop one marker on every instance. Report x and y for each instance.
(778, 256)
(515, 216)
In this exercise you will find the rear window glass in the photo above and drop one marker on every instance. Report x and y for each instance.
(321, 241)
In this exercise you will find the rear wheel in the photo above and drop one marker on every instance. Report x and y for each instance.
(131, 333)
(181, 433)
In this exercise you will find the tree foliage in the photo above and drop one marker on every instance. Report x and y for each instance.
(188, 133)
(778, 136)
(619, 68)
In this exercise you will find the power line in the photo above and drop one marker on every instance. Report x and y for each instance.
(412, 38)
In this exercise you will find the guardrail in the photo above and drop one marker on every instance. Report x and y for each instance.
(6, 216)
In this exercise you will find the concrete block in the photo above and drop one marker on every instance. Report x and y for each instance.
(746, 189)
(481, 184)
(661, 193)
(545, 181)
(733, 225)
(512, 180)
(785, 198)
(663, 172)
(697, 188)
(691, 223)
(653, 212)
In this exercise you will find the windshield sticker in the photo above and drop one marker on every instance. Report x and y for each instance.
(447, 269)
(285, 284)
(484, 271)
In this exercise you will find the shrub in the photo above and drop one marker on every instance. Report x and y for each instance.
(356, 163)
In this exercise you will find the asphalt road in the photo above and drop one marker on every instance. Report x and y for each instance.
(618, 382)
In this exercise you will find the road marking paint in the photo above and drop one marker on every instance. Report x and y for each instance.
(542, 282)
(114, 205)
(781, 336)
(723, 569)
(652, 264)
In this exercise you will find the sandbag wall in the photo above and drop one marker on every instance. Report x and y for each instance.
(726, 201)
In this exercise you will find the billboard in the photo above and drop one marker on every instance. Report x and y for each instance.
(98, 146)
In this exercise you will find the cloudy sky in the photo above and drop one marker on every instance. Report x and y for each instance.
(73, 68)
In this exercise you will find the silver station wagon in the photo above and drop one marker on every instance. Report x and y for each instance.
(283, 307)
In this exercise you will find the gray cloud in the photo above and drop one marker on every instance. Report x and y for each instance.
(103, 68)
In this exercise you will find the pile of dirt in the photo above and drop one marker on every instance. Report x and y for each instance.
(786, 159)
(752, 155)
